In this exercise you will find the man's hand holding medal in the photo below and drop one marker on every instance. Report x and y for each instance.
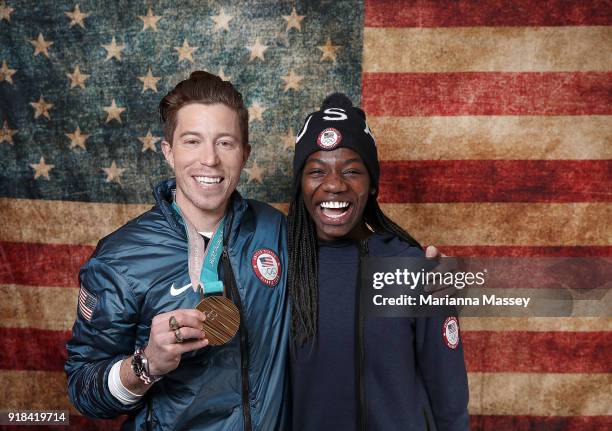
(172, 334)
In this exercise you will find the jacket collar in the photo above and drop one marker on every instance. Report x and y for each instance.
(164, 196)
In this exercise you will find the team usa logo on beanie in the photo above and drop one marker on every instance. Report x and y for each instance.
(450, 332)
(266, 265)
(329, 138)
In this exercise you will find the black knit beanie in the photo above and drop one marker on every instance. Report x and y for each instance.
(337, 124)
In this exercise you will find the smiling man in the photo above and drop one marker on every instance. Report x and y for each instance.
(207, 170)
(139, 346)
(351, 371)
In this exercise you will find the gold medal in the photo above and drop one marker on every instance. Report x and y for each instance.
(222, 319)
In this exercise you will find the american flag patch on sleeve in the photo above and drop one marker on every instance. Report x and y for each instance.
(87, 303)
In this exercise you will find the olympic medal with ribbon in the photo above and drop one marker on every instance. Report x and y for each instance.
(222, 316)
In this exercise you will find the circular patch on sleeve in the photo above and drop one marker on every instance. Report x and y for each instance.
(329, 138)
(266, 265)
(450, 332)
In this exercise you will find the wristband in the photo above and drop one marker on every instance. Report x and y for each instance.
(115, 386)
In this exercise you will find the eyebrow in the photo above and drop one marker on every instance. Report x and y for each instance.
(189, 132)
(228, 135)
(199, 135)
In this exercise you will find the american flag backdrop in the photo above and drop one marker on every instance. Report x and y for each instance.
(492, 120)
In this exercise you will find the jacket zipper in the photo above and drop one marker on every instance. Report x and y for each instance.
(362, 419)
(426, 420)
(244, 352)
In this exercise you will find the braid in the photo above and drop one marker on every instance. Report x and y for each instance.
(379, 222)
(302, 275)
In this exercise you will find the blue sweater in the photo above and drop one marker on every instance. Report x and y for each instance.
(412, 379)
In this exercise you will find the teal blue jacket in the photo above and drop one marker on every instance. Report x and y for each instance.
(241, 385)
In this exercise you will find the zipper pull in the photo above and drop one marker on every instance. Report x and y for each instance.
(225, 253)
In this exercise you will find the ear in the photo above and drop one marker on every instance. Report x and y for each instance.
(245, 155)
(167, 150)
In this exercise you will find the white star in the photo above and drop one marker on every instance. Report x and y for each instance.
(41, 169)
(294, 20)
(149, 20)
(254, 172)
(257, 50)
(185, 52)
(149, 82)
(255, 112)
(113, 50)
(77, 139)
(6, 133)
(41, 45)
(113, 173)
(5, 12)
(77, 78)
(77, 17)
(289, 139)
(222, 20)
(223, 76)
(6, 74)
(148, 142)
(329, 50)
(292, 81)
(41, 108)
(114, 112)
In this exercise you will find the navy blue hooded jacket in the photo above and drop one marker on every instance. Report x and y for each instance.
(128, 281)
(412, 379)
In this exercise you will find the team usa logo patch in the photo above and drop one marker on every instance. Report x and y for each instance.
(450, 332)
(329, 138)
(266, 266)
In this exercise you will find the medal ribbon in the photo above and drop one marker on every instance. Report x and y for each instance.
(203, 261)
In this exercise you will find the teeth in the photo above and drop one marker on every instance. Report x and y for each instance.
(208, 180)
(333, 216)
(333, 204)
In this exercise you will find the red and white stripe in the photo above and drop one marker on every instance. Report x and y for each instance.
(496, 116)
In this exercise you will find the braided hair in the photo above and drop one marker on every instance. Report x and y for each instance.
(303, 257)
